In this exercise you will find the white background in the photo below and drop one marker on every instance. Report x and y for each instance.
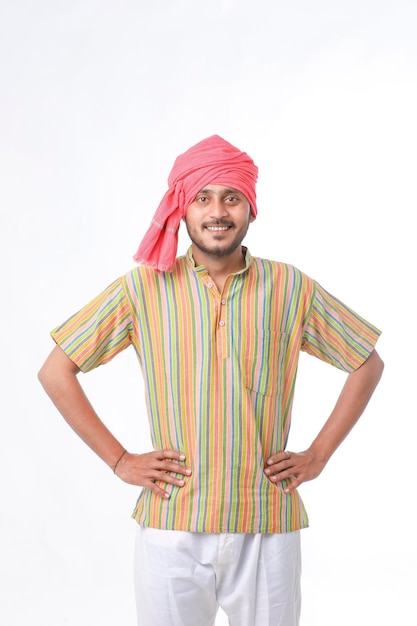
(97, 98)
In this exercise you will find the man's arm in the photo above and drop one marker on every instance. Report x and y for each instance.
(58, 377)
(355, 395)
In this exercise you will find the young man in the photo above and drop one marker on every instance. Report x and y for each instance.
(218, 335)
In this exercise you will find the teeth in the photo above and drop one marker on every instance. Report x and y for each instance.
(216, 228)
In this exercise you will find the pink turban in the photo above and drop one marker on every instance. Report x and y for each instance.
(212, 161)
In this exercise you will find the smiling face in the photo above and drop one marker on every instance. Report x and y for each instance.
(218, 220)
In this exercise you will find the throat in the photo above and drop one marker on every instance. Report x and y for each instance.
(220, 267)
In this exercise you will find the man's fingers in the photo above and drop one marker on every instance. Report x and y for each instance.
(162, 466)
(284, 455)
(166, 477)
(170, 461)
(278, 463)
(169, 454)
(158, 491)
(169, 466)
(296, 482)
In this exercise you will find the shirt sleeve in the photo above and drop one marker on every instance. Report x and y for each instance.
(99, 331)
(336, 334)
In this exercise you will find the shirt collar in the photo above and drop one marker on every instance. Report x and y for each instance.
(201, 269)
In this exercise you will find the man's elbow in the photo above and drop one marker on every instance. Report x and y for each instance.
(375, 365)
(46, 375)
(56, 367)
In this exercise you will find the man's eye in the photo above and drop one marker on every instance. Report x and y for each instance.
(232, 199)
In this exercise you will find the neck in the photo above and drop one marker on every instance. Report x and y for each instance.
(220, 267)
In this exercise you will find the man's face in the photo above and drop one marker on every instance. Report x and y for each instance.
(218, 220)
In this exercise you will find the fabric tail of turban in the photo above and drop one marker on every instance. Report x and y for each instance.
(212, 161)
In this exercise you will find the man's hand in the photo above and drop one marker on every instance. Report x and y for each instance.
(161, 465)
(295, 467)
(298, 467)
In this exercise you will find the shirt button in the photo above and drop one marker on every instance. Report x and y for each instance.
(209, 285)
(223, 301)
(221, 323)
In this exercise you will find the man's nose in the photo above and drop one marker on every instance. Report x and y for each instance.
(218, 208)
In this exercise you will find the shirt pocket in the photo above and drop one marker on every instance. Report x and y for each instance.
(263, 357)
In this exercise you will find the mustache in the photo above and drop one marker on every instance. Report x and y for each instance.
(219, 223)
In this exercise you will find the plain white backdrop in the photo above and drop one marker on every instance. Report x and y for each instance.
(97, 98)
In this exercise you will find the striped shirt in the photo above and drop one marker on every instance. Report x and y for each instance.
(219, 372)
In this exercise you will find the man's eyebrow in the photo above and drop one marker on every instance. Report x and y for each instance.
(231, 190)
(225, 191)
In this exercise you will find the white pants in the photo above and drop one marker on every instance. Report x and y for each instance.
(181, 578)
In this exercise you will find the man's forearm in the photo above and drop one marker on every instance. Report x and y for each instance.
(350, 405)
(298, 467)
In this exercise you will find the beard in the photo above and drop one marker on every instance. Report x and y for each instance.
(221, 249)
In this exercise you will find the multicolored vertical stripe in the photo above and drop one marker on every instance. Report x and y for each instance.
(219, 372)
